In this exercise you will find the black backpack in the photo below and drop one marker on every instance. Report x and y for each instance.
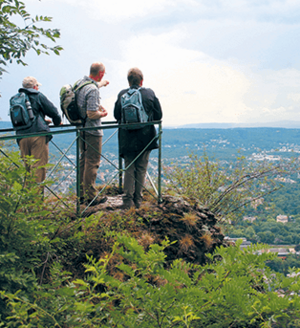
(21, 112)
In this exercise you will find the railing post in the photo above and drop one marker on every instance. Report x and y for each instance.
(77, 131)
(159, 163)
(120, 174)
(77, 170)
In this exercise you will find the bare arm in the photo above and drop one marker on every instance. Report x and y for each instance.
(94, 115)
(102, 83)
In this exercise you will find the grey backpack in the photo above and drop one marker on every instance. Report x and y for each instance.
(20, 111)
(132, 109)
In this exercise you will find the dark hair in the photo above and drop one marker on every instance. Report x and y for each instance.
(134, 76)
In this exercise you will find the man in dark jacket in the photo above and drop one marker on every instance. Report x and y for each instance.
(37, 146)
(133, 142)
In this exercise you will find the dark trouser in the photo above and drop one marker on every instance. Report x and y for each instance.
(39, 149)
(134, 178)
(89, 163)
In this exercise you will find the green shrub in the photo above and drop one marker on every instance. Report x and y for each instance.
(235, 290)
(26, 229)
(131, 286)
(224, 188)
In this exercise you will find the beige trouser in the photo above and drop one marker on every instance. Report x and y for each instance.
(134, 178)
(89, 163)
(39, 149)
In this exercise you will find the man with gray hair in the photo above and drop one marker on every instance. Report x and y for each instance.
(37, 146)
(88, 101)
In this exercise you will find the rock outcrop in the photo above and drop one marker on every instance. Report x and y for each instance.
(193, 229)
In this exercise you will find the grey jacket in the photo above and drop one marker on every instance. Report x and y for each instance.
(88, 99)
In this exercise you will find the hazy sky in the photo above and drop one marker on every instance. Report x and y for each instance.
(207, 60)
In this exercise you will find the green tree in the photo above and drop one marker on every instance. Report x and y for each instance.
(266, 237)
(16, 41)
(250, 233)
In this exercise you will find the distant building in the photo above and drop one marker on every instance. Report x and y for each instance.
(249, 218)
(255, 203)
(245, 242)
(293, 274)
(282, 218)
(285, 180)
(282, 252)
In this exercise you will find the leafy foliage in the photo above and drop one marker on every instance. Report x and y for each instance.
(26, 230)
(235, 290)
(131, 284)
(16, 41)
(290, 264)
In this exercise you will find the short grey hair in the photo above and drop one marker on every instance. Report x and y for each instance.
(29, 82)
(96, 68)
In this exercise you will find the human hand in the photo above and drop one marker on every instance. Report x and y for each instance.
(103, 112)
(103, 83)
(95, 115)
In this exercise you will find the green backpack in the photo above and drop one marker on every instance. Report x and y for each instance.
(68, 103)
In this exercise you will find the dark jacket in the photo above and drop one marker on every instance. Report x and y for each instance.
(41, 106)
(132, 142)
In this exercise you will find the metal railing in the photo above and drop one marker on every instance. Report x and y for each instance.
(6, 135)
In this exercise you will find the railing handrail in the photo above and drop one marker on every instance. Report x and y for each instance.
(72, 128)
(105, 125)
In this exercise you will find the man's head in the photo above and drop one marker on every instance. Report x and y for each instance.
(30, 82)
(97, 71)
(135, 77)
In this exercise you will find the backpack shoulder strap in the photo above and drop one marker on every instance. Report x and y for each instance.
(40, 110)
(78, 87)
(131, 91)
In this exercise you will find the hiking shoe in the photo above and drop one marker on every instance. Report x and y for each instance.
(127, 205)
(97, 201)
(137, 204)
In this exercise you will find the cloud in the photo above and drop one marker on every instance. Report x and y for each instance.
(207, 61)
(118, 10)
(113, 11)
(294, 97)
(195, 87)
(274, 95)
(284, 11)
(191, 86)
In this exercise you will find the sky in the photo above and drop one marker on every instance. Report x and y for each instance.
(208, 61)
